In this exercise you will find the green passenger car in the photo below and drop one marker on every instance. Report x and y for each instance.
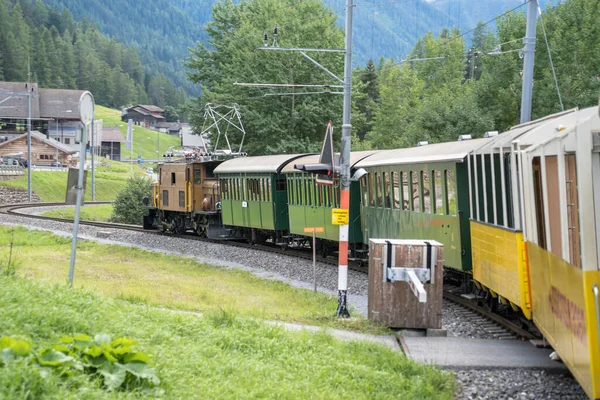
(254, 195)
(420, 193)
(310, 204)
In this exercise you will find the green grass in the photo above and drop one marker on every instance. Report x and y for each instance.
(52, 185)
(169, 281)
(99, 213)
(144, 139)
(224, 354)
(111, 177)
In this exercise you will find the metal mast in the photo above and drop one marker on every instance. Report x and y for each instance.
(342, 310)
(529, 55)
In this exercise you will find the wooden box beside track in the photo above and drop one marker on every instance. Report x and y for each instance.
(393, 303)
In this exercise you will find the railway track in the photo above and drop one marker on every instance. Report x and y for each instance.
(305, 253)
(493, 323)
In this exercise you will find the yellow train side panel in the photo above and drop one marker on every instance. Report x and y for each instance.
(565, 312)
(499, 263)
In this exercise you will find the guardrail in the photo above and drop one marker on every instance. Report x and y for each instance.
(11, 170)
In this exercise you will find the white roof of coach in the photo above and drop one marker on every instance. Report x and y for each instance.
(259, 164)
(553, 127)
(506, 138)
(355, 157)
(439, 152)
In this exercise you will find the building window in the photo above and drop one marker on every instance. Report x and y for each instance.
(172, 178)
(165, 198)
(181, 198)
(67, 141)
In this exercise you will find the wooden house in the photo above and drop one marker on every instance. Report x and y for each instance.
(144, 115)
(111, 143)
(44, 151)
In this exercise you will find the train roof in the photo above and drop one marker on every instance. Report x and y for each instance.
(553, 127)
(439, 152)
(259, 164)
(355, 157)
(505, 139)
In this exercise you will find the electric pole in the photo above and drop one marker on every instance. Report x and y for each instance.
(342, 310)
(344, 167)
(529, 56)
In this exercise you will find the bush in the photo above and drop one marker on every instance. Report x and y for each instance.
(128, 206)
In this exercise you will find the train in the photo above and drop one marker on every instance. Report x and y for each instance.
(518, 213)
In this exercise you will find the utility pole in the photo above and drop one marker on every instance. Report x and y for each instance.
(529, 56)
(29, 89)
(342, 310)
(344, 168)
(93, 150)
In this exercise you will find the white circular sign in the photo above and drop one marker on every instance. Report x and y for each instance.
(86, 108)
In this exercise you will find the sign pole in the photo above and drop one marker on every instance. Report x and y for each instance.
(86, 113)
(315, 259)
(314, 246)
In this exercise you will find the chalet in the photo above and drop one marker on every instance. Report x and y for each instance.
(54, 112)
(44, 151)
(172, 128)
(144, 115)
(111, 143)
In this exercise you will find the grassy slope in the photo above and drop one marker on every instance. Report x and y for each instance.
(52, 185)
(166, 281)
(112, 117)
(222, 355)
(99, 213)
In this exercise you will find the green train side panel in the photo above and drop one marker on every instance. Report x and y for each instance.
(305, 216)
(226, 212)
(280, 204)
(464, 214)
(382, 223)
(451, 230)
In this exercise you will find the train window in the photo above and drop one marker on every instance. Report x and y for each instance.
(379, 190)
(309, 191)
(426, 191)
(387, 190)
(181, 198)
(437, 187)
(573, 210)
(280, 185)
(371, 190)
(364, 187)
(269, 189)
(415, 188)
(396, 191)
(405, 191)
(187, 174)
(210, 170)
(451, 192)
(172, 178)
(197, 175)
(165, 198)
(159, 176)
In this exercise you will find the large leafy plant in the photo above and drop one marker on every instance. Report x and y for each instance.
(116, 362)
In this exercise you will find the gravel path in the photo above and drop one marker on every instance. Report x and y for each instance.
(473, 384)
(517, 384)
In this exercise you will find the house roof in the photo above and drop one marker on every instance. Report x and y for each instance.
(42, 138)
(45, 104)
(172, 126)
(60, 103)
(112, 134)
(151, 108)
(16, 107)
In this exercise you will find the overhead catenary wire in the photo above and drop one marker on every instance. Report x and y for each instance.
(562, 107)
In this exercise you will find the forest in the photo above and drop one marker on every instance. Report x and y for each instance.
(444, 88)
(58, 52)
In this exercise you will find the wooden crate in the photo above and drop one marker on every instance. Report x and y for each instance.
(394, 303)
